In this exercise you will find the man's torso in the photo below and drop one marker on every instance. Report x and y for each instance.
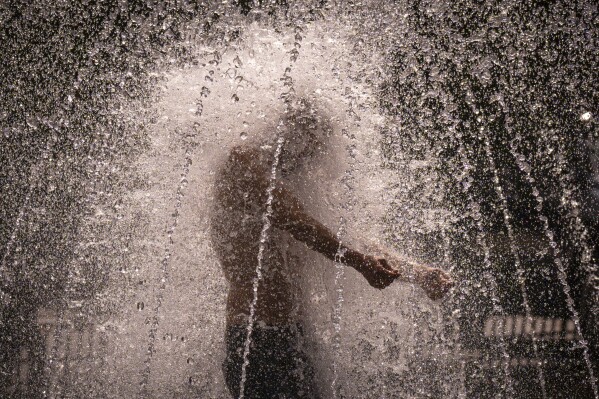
(237, 224)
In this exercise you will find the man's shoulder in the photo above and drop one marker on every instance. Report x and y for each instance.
(243, 153)
(248, 156)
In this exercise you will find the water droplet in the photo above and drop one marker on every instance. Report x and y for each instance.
(32, 122)
(237, 62)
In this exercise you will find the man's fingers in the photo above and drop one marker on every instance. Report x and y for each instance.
(386, 274)
(383, 262)
(376, 273)
(391, 271)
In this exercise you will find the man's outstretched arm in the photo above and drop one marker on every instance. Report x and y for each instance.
(289, 215)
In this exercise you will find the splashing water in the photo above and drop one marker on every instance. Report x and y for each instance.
(453, 131)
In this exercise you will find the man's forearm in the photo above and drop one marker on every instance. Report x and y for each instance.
(290, 216)
(318, 238)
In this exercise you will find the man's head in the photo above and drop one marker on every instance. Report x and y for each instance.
(305, 131)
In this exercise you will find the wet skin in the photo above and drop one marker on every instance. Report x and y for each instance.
(237, 221)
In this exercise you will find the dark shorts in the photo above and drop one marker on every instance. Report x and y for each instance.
(277, 366)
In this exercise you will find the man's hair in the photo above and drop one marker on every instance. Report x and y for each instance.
(304, 129)
(302, 114)
(299, 108)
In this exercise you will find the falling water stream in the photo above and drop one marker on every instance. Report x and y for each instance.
(559, 263)
(480, 238)
(266, 219)
(263, 238)
(520, 276)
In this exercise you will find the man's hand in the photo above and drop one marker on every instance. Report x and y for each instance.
(435, 282)
(377, 272)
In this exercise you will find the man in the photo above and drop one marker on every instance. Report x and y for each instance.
(277, 367)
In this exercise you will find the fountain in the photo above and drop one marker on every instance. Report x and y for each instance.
(462, 137)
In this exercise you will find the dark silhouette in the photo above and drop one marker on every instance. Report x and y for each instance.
(276, 366)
